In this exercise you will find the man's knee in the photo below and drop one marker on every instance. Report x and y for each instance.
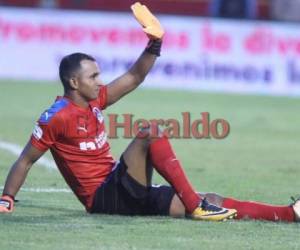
(146, 136)
(149, 133)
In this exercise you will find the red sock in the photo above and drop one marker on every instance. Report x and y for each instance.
(260, 211)
(167, 165)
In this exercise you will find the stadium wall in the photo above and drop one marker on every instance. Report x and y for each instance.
(200, 54)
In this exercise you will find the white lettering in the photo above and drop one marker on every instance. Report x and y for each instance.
(100, 140)
(37, 132)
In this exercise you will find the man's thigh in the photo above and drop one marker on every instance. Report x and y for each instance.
(121, 194)
(136, 158)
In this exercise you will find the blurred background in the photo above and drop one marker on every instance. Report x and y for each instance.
(239, 60)
(241, 46)
(250, 9)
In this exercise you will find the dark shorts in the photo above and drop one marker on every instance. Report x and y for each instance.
(121, 194)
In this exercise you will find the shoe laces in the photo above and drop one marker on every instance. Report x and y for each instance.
(205, 205)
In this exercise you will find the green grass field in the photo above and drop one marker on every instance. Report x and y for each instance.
(259, 161)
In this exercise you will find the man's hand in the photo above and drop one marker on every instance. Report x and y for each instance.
(6, 204)
(150, 23)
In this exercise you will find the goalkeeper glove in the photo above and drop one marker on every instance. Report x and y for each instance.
(151, 25)
(6, 204)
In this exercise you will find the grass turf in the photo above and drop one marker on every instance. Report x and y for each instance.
(257, 161)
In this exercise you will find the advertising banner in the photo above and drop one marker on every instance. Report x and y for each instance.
(200, 54)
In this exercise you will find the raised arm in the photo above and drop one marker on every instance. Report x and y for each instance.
(137, 73)
(131, 79)
(17, 175)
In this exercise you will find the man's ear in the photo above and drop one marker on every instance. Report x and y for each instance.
(73, 83)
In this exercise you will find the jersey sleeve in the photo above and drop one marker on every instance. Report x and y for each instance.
(102, 97)
(45, 134)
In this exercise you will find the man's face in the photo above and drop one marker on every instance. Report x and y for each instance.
(88, 80)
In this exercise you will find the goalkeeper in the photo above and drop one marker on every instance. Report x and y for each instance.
(73, 129)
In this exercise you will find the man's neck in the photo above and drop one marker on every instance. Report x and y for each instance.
(77, 99)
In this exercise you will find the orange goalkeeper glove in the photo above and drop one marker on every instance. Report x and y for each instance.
(151, 25)
(6, 204)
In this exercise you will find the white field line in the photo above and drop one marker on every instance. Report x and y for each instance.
(16, 150)
(44, 190)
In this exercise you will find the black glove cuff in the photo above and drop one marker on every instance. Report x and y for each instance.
(154, 47)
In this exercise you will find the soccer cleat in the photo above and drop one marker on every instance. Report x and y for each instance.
(210, 212)
(296, 206)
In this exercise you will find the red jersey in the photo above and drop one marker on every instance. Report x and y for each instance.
(78, 142)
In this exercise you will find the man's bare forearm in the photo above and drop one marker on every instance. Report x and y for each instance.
(20, 168)
(142, 66)
(16, 178)
(131, 79)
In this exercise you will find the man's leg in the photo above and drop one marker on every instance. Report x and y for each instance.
(165, 162)
(158, 152)
(137, 160)
(139, 163)
(260, 211)
(177, 208)
(245, 209)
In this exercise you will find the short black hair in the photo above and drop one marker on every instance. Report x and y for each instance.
(69, 65)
